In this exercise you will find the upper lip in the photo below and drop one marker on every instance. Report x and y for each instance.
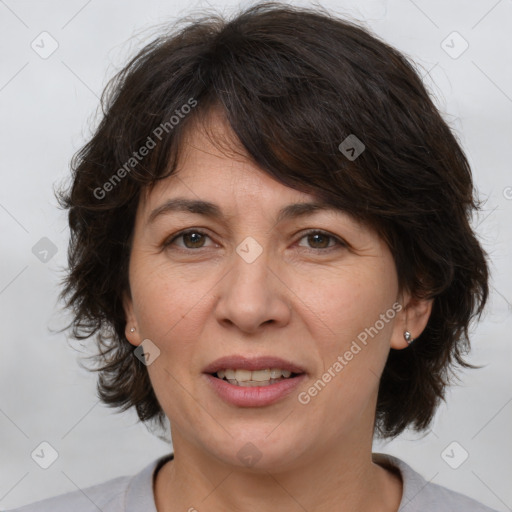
(240, 362)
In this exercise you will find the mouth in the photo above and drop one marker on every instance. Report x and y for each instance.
(254, 378)
(253, 382)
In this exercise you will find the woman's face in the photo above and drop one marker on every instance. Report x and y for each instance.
(312, 287)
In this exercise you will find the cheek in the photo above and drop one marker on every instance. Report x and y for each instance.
(352, 338)
(170, 308)
(342, 303)
(165, 299)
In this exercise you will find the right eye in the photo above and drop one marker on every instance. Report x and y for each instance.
(191, 238)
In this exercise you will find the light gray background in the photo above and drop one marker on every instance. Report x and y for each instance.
(48, 108)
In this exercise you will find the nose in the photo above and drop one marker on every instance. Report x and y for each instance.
(252, 296)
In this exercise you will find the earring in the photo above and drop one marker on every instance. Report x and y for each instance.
(132, 329)
(408, 337)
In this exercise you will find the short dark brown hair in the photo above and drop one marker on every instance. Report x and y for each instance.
(293, 84)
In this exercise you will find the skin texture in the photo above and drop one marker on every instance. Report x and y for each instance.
(298, 300)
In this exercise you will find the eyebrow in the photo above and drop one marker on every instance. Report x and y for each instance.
(208, 209)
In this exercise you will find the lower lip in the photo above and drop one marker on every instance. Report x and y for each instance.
(255, 396)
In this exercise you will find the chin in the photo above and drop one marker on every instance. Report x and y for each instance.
(253, 448)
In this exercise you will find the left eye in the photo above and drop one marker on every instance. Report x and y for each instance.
(321, 240)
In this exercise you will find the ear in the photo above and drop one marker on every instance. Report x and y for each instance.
(131, 322)
(413, 317)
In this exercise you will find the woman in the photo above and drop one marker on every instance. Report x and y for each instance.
(271, 246)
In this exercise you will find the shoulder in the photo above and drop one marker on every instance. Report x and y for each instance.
(422, 496)
(107, 496)
(121, 494)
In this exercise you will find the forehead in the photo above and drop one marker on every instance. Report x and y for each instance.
(216, 178)
(214, 165)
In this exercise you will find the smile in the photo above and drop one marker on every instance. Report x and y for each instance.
(253, 393)
(255, 378)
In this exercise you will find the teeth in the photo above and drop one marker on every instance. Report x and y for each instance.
(259, 375)
(243, 375)
(253, 378)
(275, 373)
(254, 384)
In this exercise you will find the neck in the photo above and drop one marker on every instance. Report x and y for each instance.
(344, 479)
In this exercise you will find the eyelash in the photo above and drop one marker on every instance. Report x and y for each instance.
(338, 242)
